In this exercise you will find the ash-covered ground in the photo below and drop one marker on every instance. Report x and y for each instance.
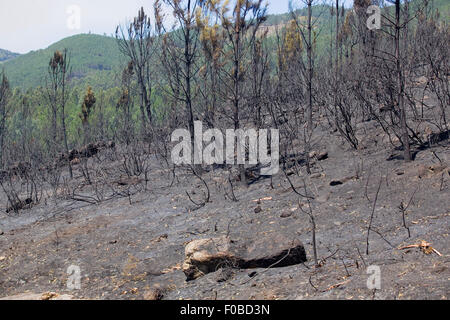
(131, 247)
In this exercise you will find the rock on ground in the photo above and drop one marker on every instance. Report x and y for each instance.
(209, 255)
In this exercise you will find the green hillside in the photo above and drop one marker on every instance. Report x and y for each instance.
(6, 55)
(96, 60)
(92, 56)
(444, 8)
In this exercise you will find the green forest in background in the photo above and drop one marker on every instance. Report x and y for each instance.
(97, 62)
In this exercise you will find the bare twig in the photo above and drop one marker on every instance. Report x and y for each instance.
(403, 208)
(371, 216)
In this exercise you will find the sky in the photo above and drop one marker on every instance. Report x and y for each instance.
(27, 25)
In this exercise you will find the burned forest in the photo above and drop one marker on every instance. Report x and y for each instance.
(216, 150)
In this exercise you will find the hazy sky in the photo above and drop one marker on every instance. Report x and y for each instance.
(27, 25)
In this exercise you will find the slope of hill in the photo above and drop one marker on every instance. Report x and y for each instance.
(96, 59)
(92, 56)
(443, 6)
(6, 55)
(129, 246)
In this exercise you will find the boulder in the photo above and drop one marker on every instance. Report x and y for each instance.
(206, 255)
(209, 255)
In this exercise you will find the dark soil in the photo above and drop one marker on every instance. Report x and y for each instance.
(126, 250)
